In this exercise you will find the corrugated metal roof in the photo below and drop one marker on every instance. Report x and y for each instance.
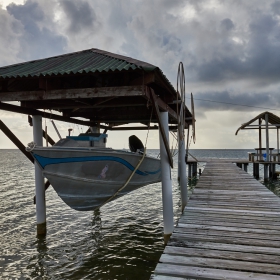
(272, 119)
(87, 61)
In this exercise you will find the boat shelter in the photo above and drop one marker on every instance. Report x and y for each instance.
(266, 155)
(100, 88)
(94, 88)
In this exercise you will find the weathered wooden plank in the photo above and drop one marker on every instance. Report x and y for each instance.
(221, 264)
(163, 277)
(209, 273)
(227, 255)
(191, 219)
(247, 212)
(73, 93)
(225, 212)
(233, 234)
(267, 244)
(224, 247)
(229, 230)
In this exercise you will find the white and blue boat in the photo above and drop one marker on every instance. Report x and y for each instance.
(86, 174)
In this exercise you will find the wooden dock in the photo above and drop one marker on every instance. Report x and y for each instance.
(230, 229)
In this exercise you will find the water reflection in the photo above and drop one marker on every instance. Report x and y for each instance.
(37, 265)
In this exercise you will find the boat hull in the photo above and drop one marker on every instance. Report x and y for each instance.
(85, 179)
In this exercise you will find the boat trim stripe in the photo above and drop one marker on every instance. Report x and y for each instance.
(44, 161)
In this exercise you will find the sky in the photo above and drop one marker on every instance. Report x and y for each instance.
(230, 51)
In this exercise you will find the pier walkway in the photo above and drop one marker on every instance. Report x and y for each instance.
(230, 229)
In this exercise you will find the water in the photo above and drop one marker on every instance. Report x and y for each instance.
(123, 240)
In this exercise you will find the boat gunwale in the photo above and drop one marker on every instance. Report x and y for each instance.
(92, 149)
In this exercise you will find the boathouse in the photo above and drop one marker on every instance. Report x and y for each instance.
(94, 88)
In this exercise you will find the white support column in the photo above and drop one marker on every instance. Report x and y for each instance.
(179, 158)
(182, 168)
(39, 180)
(167, 201)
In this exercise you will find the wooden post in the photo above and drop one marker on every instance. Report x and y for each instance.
(245, 167)
(167, 202)
(265, 170)
(277, 140)
(256, 170)
(259, 157)
(189, 170)
(267, 137)
(272, 170)
(39, 180)
(194, 169)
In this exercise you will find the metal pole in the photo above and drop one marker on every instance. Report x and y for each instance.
(167, 202)
(183, 175)
(39, 180)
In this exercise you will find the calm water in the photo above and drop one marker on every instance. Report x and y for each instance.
(123, 240)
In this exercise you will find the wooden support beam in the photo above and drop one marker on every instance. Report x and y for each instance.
(78, 93)
(29, 111)
(155, 127)
(156, 107)
(160, 103)
(20, 146)
(15, 140)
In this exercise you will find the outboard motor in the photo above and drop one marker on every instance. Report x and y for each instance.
(135, 144)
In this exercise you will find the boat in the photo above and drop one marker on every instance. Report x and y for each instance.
(86, 174)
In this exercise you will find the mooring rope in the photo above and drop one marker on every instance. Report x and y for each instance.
(127, 181)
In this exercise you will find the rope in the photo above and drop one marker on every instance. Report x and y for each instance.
(133, 172)
(149, 128)
(128, 180)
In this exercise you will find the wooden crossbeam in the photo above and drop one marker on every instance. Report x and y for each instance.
(156, 107)
(78, 93)
(29, 111)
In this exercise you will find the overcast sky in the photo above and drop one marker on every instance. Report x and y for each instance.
(230, 50)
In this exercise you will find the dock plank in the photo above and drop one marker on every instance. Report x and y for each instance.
(230, 229)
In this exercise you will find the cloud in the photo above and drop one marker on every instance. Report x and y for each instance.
(79, 16)
(230, 49)
(37, 39)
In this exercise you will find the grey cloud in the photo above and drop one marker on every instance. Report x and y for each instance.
(30, 12)
(227, 24)
(80, 15)
(276, 7)
(35, 41)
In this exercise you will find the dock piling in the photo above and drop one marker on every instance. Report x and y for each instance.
(39, 180)
(167, 201)
(189, 171)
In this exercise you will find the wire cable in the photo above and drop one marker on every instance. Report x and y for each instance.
(228, 103)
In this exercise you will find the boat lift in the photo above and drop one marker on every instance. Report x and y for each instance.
(96, 88)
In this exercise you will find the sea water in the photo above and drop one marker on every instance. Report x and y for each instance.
(122, 240)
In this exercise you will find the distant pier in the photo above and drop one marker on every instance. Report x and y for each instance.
(230, 229)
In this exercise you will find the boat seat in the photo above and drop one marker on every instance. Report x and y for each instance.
(135, 144)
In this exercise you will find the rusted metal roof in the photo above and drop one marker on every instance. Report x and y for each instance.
(92, 60)
(272, 119)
